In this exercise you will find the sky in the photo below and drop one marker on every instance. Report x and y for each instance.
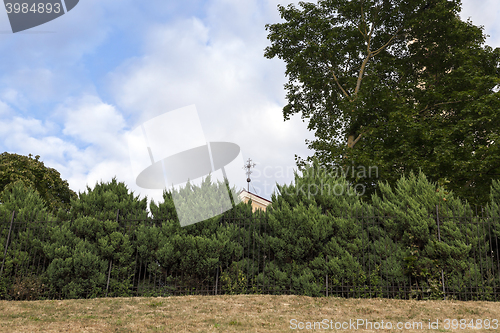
(73, 88)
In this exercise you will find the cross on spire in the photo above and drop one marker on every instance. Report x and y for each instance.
(248, 168)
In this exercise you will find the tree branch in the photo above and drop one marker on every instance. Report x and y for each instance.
(371, 54)
(386, 44)
(364, 35)
(351, 141)
(338, 84)
(357, 139)
(445, 103)
(361, 72)
(371, 31)
(364, 21)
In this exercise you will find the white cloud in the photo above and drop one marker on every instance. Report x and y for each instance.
(92, 149)
(217, 64)
(484, 13)
(14, 98)
(38, 85)
(92, 121)
(5, 109)
(32, 136)
(19, 127)
(214, 61)
(211, 56)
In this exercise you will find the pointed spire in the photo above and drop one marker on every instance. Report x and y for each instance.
(248, 168)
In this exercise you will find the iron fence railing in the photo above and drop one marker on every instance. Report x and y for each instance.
(246, 261)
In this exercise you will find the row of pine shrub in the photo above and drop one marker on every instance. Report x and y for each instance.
(318, 230)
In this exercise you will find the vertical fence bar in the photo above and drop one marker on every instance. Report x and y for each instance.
(490, 252)
(28, 222)
(216, 280)
(439, 239)
(259, 250)
(139, 286)
(265, 285)
(31, 251)
(135, 272)
(253, 235)
(111, 261)
(383, 263)
(463, 230)
(496, 247)
(477, 265)
(7, 242)
(326, 277)
(370, 287)
(480, 256)
(486, 260)
(109, 275)
(473, 245)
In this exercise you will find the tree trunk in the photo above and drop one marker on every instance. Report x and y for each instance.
(350, 141)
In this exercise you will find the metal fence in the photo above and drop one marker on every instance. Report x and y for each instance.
(250, 268)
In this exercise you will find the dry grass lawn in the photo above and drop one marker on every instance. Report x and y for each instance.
(240, 313)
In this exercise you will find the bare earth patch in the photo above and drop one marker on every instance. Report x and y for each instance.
(242, 313)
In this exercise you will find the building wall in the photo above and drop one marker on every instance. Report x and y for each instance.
(257, 202)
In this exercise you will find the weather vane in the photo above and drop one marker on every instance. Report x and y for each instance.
(248, 168)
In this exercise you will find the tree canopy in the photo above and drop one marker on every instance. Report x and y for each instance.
(105, 199)
(53, 190)
(400, 85)
(25, 201)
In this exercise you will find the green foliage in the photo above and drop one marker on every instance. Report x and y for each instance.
(88, 241)
(233, 280)
(75, 270)
(105, 199)
(428, 246)
(5, 287)
(198, 203)
(401, 85)
(192, 252)
(25, 201)
(24, 254)
(406, 235)
(305, 226)
(320, 187)
(80, 255)
(54, 191)
(493, 207)
(493, 239)
(316, 230)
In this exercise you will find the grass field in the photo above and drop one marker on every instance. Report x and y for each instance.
(241, 313)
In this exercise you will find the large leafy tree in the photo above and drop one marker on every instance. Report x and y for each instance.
(400, 85)
(54, 191)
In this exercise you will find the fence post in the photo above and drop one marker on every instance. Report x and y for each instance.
(109, 274)
(326, 277)
(7, 243)
(216, 280)
(111, 261)
(439, 238)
